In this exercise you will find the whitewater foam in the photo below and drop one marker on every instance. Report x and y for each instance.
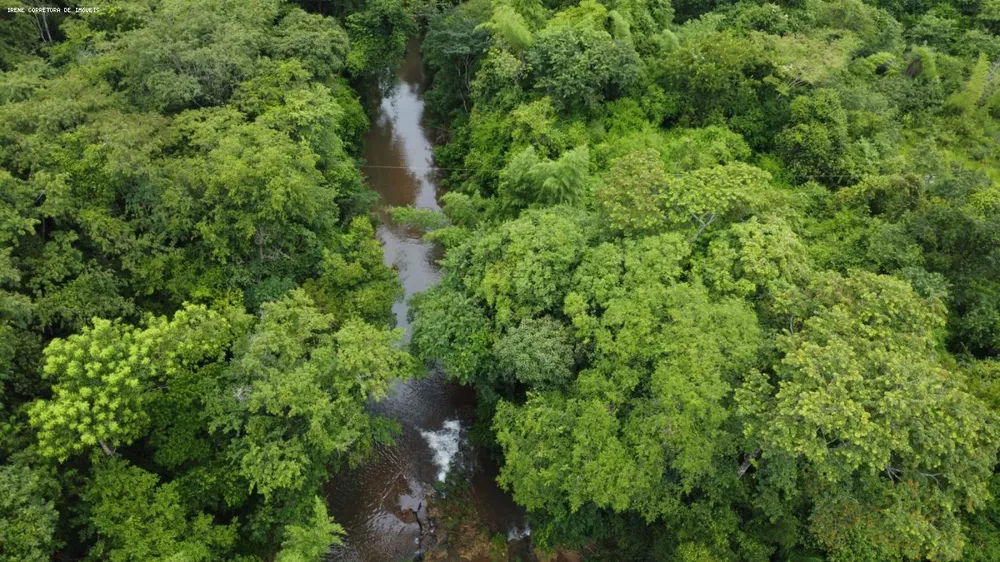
(516, 534)
(444, 443)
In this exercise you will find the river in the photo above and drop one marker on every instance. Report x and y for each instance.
(383, 504)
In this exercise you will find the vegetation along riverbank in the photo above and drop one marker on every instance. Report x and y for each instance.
(545, 279)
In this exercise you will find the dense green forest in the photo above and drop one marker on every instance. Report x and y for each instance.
(727, 275)
(724, 276)
(193, 307)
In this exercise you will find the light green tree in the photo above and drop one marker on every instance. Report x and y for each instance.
(537, 352)
(312, 539)
(134, 517)
(863, 426)
(294, 400)
(529, 181)
(630, 195)
(523, 268)
(98, 391)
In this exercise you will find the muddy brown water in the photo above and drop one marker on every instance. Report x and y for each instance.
(382, 504)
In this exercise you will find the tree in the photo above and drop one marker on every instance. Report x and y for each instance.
(353, 282)
(285, 97)
(761, 259)
(98, 392)
(498, 82)
(28, 515)
(537, 352)
(449, 327)
(319, 42)
(378, 35)
(294, 399)
(452, 47)
(509, 28)
(630, 196)
(523, 268)
(251, 203)
(695, 200)
(312, 540)
(190, 57)
(136, 518)
(18, 347)
(817, 141)
(529, 182)
(690, 149)
(579, 67)
(18, 37)
(107, 375)
(646, 421)
(729, 86)
(864, 426)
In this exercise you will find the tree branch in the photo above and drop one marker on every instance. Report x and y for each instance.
(104, 447)
(745, 466)
(704, 224)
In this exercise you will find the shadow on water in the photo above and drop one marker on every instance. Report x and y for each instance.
(383, 504)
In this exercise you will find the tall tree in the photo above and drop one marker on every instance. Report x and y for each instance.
(863, 426)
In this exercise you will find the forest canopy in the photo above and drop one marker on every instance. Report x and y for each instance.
(194, 312)
(724, 276)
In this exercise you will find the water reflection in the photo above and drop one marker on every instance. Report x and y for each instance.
(399, 159)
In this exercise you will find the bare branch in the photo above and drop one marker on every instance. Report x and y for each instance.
(745, 466)
(104, 447)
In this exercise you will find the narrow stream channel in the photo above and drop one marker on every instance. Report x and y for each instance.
(383, 504)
